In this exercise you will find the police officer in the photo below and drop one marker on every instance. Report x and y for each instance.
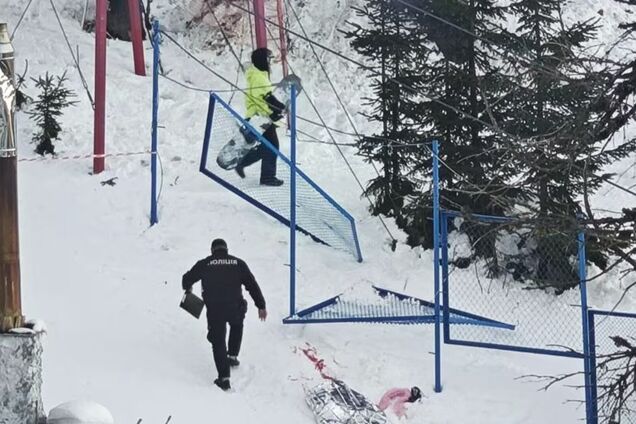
(222, 276)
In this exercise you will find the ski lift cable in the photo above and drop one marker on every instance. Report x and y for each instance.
(234, 90)
(20, 20)
(605, 178)
(239, 89)
(188, 87)
(310, 101)
(540, 67)
(240, 68)
(324, 71)
(527, 58)
(370, 69)
(225, 37)
(344, 158)
(335, 92)
(315, 139)
(75, 59)
(244, 91)
(413, 90)
(249, 18)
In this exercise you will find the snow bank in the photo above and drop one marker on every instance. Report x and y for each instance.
(80, 412)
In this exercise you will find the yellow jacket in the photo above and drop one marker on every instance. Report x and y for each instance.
(258, 86)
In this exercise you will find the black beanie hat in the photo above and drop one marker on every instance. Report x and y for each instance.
(219, 244)
(260, 58)
(416, 394)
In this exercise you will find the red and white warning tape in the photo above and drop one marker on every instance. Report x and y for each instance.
(90, 156)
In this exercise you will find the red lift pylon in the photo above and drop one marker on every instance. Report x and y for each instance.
(280, 13)
(99, 119)
(260, 29)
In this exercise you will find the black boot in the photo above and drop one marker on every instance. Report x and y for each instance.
(240, 171)
(272, 181)
(233, 361)
(223, 384)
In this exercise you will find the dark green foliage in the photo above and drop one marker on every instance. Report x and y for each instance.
(561, 102)
(524, 120)
(466, 96)
(47, 109)
(554, 101)
(392, 45)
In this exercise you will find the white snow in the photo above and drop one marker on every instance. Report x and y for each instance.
(31, 326)
(109, 287)
(80, 412)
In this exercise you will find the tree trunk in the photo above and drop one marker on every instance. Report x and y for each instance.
(472, 72)
(395, 124)
(119, 20)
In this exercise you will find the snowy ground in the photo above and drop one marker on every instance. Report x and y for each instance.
(108, 286)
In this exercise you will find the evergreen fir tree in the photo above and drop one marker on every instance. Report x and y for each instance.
(556, 91)
(465, 96)
(559, 112)
(391, 43)
(53, 98)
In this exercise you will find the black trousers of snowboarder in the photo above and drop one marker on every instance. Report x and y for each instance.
(264, 154)
(219, 316)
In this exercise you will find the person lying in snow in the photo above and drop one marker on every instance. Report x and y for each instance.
(397, 398)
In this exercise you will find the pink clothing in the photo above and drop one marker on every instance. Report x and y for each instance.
(396, 397)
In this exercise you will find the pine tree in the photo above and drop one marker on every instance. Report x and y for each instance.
(391, 44)
(53, 98)
(465, 96)
(555, 94)
(560, 102)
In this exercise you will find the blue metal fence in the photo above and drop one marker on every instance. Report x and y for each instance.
(514, 272)
(612, 368)
(317, 214)
(504, 314)
(492, 285)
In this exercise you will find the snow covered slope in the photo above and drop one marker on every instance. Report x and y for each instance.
(109, 287)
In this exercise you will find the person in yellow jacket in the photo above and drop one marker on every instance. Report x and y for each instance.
(260, 101)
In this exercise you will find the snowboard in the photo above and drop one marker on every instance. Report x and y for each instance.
(243, 140)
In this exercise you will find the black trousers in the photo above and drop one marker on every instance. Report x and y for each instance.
(219, 316)
(265, 155)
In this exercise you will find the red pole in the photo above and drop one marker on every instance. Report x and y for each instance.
(280, 9)
(259, 23)
(99, 121)
(135, 35)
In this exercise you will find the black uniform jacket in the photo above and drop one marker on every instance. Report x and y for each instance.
(222, 276)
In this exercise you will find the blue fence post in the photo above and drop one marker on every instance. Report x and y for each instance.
(436, 264)
(155, 111)
(586, 327)
(445, 288)
(592, 362)
(292, 207)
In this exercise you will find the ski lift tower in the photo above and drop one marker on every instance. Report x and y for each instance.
(260, 29)
(99, 118)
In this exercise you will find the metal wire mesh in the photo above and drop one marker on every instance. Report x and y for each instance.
(516, 273)
(316, 213)
(615, 366)
(388, 307)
